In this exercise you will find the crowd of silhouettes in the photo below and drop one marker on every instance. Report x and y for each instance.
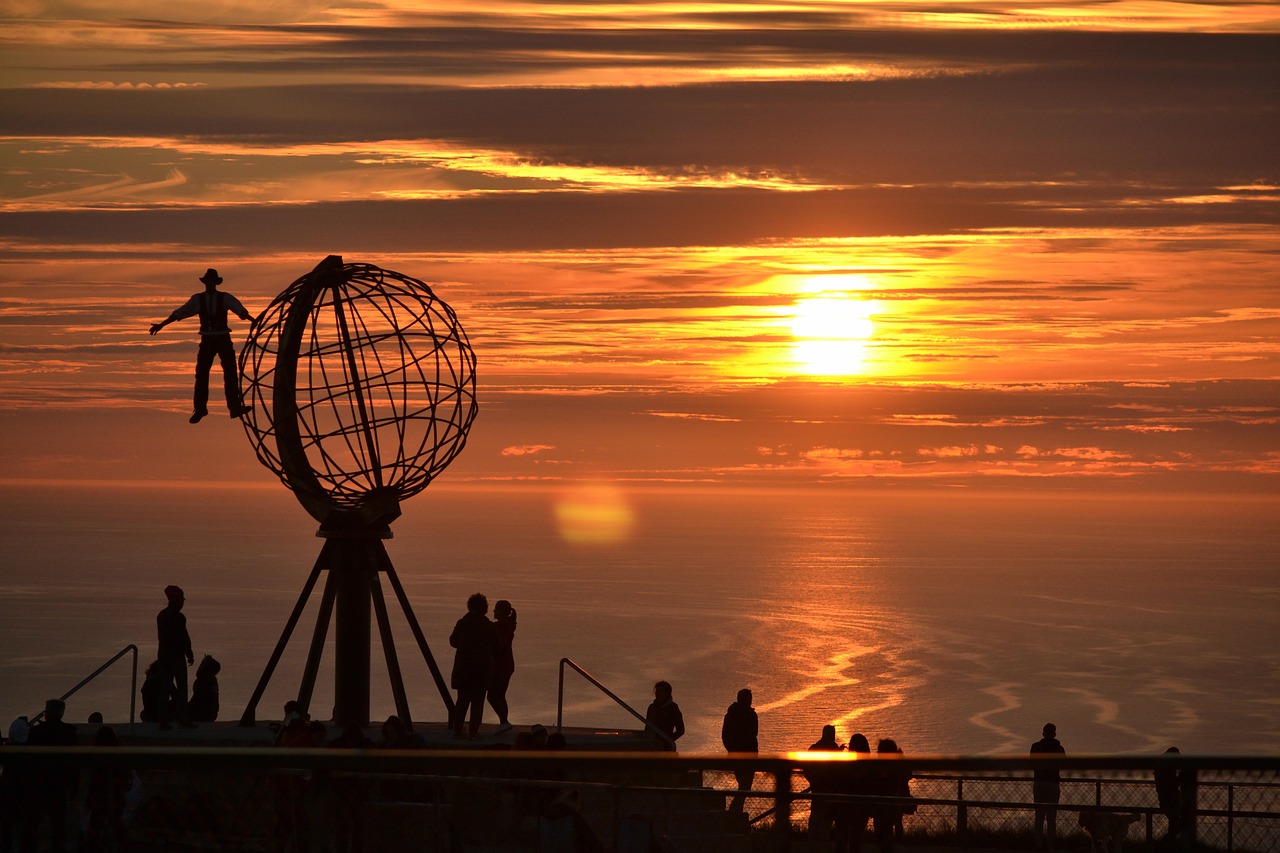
(844, 796)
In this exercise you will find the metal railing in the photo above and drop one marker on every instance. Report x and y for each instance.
(249, 795)
(661, 735)
(133, 683)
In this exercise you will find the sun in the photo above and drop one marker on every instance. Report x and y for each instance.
(831, 332)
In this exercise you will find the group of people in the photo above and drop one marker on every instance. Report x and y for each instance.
(33, 796)
(483, 663)
(164, 690)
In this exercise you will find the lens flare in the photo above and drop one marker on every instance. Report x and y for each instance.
(594, 514)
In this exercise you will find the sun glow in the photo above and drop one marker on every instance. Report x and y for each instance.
(832, 329)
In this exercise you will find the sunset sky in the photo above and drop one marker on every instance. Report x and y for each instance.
(786, 243)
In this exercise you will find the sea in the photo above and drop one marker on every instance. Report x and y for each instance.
(956, 621)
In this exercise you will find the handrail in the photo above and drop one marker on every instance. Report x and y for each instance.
(606, 691)
(133, 688)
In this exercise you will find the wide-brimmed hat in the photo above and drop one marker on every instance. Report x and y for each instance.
(211, 277)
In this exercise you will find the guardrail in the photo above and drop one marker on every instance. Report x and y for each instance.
(478, 796)
(133, 684)
(661, 735)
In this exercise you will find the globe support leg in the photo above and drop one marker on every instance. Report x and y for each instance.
(352, 595)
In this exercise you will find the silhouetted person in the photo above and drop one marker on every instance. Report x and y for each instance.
(740, 732)
(215, 339)
(396, 735)
(157, 692)
(174, 656)
(15, 791)
(105, 798)
(348, 793)
(892, 779)
(95, 718)
(352, 736)
(203, 707)
(851, 817)
(1046, 787)
(1169, 796)
(664, 714)
(52, 787)
(534, 739)
(504, 664)
(823, 779)
(567, 807)
(476, 646)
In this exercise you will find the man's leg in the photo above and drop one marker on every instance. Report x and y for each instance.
(204, 360)
(180, 692)
(231, 378)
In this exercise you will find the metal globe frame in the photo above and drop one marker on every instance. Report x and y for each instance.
(361, 384)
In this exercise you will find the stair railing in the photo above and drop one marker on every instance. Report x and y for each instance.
(662, 736)
(133, 686)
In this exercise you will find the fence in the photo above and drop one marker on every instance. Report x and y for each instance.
(500, 800)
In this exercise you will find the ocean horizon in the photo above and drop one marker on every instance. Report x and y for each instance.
(956, 622)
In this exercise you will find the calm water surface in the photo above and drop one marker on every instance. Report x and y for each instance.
(956, 623)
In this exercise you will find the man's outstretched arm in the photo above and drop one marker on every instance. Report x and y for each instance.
(188, 309)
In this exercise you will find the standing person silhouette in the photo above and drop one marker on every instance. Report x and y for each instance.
(664, 714)
(52, 788)
(504, 665)
(215, 339)
(740, 732)
(1045, 786)
(174, 645)
(476, 644)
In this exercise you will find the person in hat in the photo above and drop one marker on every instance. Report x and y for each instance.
(215, 339)
(174, 646)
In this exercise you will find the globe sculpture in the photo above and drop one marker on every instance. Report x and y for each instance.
(361, 384)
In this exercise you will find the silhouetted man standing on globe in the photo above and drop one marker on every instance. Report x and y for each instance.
(174, 655)
(215, 339)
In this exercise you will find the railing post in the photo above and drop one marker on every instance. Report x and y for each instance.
(962, 816)
(1190, 800)
(1231, 808)
(560, 700)
(782, 806)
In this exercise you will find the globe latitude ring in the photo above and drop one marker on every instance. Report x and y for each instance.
(363, 389)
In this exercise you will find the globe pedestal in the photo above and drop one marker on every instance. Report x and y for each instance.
(354, 563)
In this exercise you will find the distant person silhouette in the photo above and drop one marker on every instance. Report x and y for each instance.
(203, 706)
(215, 339)
(1046, 787)
(892, 779)
(664, 714)
(396, 735)
(1169, 796)
(476, 646)
(157, 691)
(15, 791)
(105, 801)
(823, 779)
(504, 664)
(51, 787)
(740, 732)
(174, 656)
(851, 817)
